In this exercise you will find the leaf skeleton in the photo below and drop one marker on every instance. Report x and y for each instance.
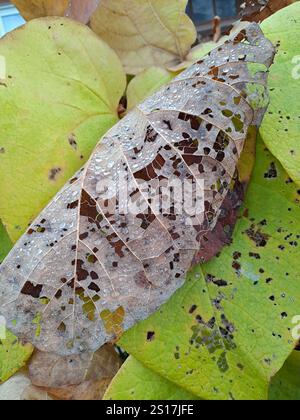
(86, 270)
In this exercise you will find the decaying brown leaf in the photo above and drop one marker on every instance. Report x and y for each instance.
(33, 393)
(31, 9)
(49, 370)
(213, 241)
(77, 377)
(259, 10)
(87, 391)
(105, 254)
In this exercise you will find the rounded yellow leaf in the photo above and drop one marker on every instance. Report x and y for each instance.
(59, 96)
(145, 33)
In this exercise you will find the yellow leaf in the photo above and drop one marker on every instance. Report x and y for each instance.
(146, 83)
(13, 356)
(61, 94)
(31, 9)
(145, 33)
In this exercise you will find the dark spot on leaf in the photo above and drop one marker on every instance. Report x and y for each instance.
(272, 172)
(257, 236)
(30, 290)
(150, 335)
(74, 205)
(53, 173)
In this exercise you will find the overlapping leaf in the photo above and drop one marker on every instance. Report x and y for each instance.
(31, 9)
(5, 243)
(84, 377)
(286, 384)
(81, 10)
(145, 33)
(281, 126)
(13, 356)
(13, 389)
(135, 382)
(228, 331)
(87, 269)
(57, 98)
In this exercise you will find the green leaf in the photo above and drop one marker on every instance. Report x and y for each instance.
(59, 95)
(145, 33)
(227, 332)
(13, 356)
(281, 126)
(5, 243)
(286, 384)
(135, 382)
(196, 53)
(146, 83)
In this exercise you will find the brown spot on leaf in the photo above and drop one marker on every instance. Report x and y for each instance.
(53, 173)
(30, 289)
(73, 141)
(257, 236)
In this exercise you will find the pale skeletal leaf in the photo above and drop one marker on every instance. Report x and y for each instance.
(88, 269)
(145, 33)
(77, 377)
(49, 370)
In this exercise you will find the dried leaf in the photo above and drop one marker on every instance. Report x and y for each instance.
(49, 370)
(33, 393)
(82, 377)
(145, 33)
(199, 51)
(259, 10)
(31, 9)
(87, 270)
(87, 391)
(217, 29)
